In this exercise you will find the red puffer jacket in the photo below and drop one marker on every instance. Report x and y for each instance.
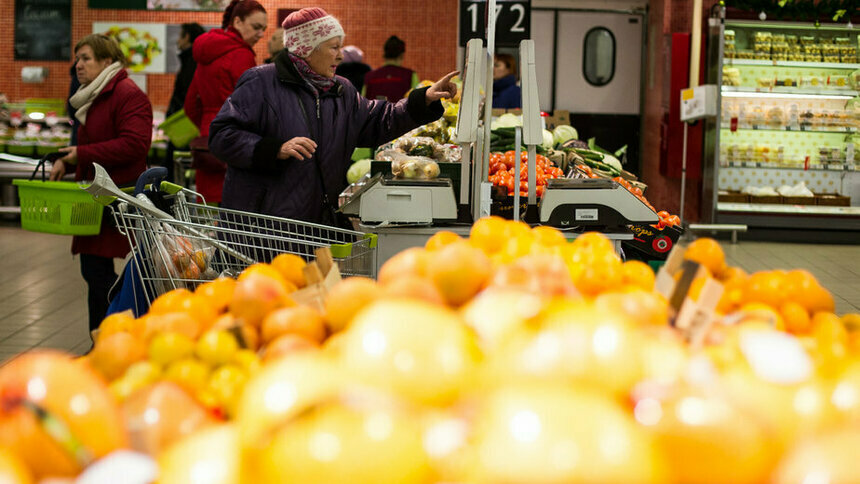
(117, 136)
(222, 56)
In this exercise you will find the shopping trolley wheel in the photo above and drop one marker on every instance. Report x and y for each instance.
(151, 176)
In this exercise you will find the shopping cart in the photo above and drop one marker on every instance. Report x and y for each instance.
(198, 242)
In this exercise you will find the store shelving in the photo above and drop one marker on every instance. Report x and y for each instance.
(808, 65)
(799, 112)
(788, 92)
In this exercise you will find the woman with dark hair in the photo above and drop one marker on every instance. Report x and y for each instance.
(115, 132)
(506, 92)
(222, 56)
(391, 81)
(289, 128)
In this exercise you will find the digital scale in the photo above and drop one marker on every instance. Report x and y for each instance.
(387, 199)
(571, 202)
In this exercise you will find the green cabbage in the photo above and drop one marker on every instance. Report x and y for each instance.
(564, 133)
(357, 170)
(548, 141)
(613, 162)
(507, 120)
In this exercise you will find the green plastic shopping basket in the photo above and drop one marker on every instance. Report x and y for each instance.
(179, 129)
(58, 207)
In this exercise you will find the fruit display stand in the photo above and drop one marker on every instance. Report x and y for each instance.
(512, 355)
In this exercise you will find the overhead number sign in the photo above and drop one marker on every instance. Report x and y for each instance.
(513, 21)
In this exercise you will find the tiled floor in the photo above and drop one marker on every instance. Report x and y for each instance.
(43, 302)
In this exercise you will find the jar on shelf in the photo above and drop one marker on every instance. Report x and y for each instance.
(791, 39)
(729, 35)
(775, 117)
(807, 39)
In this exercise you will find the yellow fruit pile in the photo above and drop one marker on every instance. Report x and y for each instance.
(511, 356)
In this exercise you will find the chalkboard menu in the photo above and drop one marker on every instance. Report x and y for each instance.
(43, 30)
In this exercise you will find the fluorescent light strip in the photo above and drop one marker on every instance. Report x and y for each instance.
(784, 95)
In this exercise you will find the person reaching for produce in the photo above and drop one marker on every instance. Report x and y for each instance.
(115, 132)
(289, 128)
(506, 92)
(222, 56)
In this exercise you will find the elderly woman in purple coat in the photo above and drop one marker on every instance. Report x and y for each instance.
(289, 128)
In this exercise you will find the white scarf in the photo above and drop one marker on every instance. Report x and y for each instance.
(87, 93)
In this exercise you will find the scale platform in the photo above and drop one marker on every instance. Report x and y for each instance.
(572, 202)
(386, 199)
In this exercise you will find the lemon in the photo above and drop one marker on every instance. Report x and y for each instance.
(168, 347)
(216, 347)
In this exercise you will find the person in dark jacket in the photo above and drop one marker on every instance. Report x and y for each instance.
(288, 129)
(391, 81)
(275, 45)
(115, 132)
(188, 34)
(222, 56)
(506, 92)
(353, 67)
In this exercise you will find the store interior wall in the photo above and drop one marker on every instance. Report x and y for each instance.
(430, 35)
(665, 17)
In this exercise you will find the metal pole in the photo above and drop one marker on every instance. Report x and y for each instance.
(683, 174)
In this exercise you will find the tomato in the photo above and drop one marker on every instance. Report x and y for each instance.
(673, 220)
(540, 191)
(662, 214)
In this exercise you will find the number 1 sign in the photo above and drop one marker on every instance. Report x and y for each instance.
(513, 22)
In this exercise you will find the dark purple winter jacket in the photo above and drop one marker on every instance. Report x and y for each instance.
(265, 111)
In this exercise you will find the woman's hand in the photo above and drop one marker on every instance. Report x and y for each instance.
(58, 171)
(71, 155)
(298, 148)
(443, 88)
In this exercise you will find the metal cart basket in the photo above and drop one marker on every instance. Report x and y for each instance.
(201, 242)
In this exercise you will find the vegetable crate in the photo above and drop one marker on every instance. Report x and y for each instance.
(650, 242)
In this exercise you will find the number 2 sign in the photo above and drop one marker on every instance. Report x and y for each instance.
(513, 21)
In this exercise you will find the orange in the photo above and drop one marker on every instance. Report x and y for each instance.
(285, 345)
(818, 299)
(301, 320)
(638, 273)
(732, 273)
(802, 287)
(117, 323)
(269, 271)
(797, 320)
(441, 239)
(218, 292)
(12, 468)
(851, 321)
(114, 353)
(256, 295)
(707, 251)
(489, 234)
(756, 313)
(412, 261)
(346, 298)
(518, 246)
(594, 242)
(602, 272)
(645, 307)
(733, 295)
(828, 330)
(766, 287)
(696, 287)
(291, 267)
(177, 322)
(414, 287)
(548, 236)
(170, 301)
(459, 271)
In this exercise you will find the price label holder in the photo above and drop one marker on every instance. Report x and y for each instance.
(513, 23)
(692, 318)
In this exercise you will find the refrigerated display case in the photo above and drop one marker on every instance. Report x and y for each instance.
(784, 151)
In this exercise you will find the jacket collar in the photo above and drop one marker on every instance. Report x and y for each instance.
(288, 74)
(122, 74)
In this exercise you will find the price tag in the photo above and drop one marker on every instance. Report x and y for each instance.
(513, 21)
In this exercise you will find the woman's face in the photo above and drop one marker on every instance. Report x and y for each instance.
(500, 70)
(252, 27)
(87, 67)
(325, 58)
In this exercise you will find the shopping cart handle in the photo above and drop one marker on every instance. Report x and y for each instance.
(150, 176)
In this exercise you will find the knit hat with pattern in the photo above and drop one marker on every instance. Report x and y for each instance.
(307, 28)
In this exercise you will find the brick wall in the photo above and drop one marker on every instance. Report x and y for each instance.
(431, 39)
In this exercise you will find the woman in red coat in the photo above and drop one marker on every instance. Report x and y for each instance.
(115, 132)
(222, 56)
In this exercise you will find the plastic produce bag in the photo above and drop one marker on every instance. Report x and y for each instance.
(413, 167)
